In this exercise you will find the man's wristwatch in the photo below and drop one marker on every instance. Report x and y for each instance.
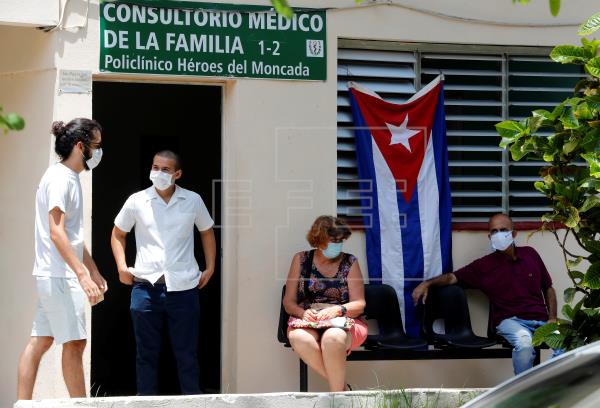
(343, 310)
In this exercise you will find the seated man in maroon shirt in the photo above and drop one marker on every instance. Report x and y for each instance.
(517, 284)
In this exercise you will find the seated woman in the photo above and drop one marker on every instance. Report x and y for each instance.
(329, 286)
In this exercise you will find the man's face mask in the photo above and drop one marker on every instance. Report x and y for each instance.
(501, 240)
(161, 180)
(92, 160)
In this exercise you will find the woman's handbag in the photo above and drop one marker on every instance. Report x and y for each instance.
(341, 322)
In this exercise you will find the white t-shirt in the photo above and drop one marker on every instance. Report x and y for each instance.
(60, 187)
(164, 235)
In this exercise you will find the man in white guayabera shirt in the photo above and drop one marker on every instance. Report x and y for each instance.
(166, 276)
(65, 272)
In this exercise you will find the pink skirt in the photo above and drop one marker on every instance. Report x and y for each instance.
(359, 333)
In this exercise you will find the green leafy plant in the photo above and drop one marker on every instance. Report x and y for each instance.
(10, 121)
(571, 182)
(553, 4)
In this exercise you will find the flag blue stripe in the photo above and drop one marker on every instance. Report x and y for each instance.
(412, 251)
(368, 187)
(440, 151)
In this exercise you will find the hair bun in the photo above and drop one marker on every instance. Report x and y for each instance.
(58, 129)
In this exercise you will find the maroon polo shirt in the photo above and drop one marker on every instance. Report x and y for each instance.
(514, 287)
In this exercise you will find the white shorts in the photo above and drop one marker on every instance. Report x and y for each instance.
(60, 309)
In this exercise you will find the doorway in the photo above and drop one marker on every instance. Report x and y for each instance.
(138, 120)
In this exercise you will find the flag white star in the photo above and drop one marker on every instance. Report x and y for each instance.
(401, 134)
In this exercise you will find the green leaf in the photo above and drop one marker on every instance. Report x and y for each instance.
(593, 102)
(534, 122)
(577, 261)
(593, 160)
(517, 152)
(554, 7)
(584, 112)
(510, 128)
(592, 276)
(14, 121)
(572, 217)
(591, 245)
(569, 294)
(540, 186)
(542, 332)
(549, 155)
(569, 54)
(591, 140)
(593, 67)
(590, 312)
(568, 119)
(558, 110)
(577, 276)
(567, 311)
(282, 7)
(555, 341)
(590, 182)
(590, 202)
(570, 145)
(592, 300)
(542, 113)
(591, 25)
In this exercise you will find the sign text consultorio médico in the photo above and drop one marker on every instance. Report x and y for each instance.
(208, 40)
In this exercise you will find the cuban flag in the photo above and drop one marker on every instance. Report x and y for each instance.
(405, 190)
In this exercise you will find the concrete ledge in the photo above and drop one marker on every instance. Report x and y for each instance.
(417, 398)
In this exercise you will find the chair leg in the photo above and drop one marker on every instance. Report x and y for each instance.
(303, 376)
(538, 357)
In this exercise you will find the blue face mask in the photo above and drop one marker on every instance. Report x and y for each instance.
(333, 250)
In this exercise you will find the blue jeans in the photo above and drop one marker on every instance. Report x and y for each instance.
(519, 333)
(152, 307)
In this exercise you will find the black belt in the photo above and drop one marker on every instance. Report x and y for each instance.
(160, 280)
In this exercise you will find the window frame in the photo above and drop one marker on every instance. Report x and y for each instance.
(505, 53)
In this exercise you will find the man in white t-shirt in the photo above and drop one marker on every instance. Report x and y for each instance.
(65, 272)
(166, 276)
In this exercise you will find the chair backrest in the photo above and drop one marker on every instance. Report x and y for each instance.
(382, 305)
(283, 319)
(448, 303)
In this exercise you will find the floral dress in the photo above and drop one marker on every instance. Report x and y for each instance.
(316, 288)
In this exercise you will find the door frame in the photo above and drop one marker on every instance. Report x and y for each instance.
(227, 281)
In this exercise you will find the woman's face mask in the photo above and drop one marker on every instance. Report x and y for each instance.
(161, 180)
(333, 250)
(501, 240)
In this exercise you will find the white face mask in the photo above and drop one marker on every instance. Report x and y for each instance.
(94, 160)
(161, 180)
(501, 240)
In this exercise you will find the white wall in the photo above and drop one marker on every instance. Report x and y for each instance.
(35, 13)
(27, 78)
(281, 137)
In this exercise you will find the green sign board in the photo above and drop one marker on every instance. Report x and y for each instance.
(211, 39)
